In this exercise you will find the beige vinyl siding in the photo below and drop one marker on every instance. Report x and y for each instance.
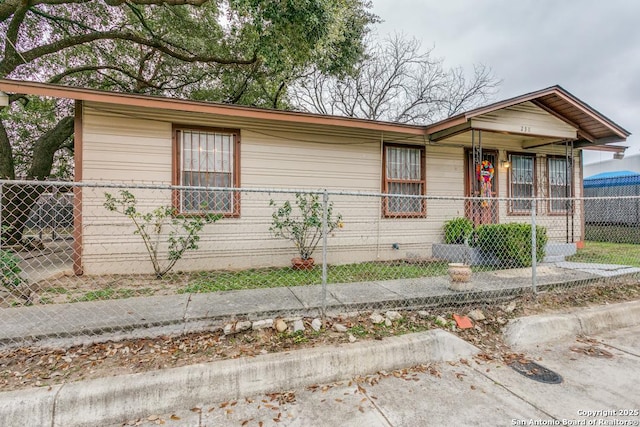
(525, 118)
(269, 159)
(289, 160)
(117, 148)
(136, 146)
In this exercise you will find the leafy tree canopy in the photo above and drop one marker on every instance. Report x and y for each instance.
(236, 51)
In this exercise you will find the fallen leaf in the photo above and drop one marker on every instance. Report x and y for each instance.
(174, 417)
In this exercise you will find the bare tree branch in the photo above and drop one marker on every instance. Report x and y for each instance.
(397, 82)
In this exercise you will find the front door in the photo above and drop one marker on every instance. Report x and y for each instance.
(482, 182)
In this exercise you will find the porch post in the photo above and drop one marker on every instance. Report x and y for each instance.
(534, 261)
(476, 158)
(568, 189)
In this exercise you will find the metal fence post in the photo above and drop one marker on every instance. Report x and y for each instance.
(1, 225)
(533, 246)
(325, 213)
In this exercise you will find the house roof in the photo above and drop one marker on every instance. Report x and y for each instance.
(593, 129)
(220, 109)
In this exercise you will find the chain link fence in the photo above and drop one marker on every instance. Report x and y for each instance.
(136, 258)
(613, 209)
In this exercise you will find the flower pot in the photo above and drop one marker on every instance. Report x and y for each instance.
(302, 264)
(460, 276)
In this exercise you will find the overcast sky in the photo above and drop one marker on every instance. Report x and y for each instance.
(589, 47)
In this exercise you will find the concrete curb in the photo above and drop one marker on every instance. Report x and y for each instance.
(117, 399)
(533, 330)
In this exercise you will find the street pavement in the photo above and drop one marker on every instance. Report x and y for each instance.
(600, 386)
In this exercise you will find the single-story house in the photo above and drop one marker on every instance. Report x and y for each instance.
(525, 146)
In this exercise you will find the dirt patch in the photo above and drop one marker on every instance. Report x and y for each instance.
(43, 367)
(69, 288)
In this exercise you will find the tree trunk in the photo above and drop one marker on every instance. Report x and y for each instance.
(18, 199)
(7, 169)
(46, 146)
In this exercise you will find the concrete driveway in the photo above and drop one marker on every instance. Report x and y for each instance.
(600, 386)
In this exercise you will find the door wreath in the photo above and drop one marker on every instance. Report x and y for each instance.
(484, 173)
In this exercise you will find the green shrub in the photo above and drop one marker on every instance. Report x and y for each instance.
(301, 222)
(457, 230)
(511, 243)
(9, 269)
(183, 231)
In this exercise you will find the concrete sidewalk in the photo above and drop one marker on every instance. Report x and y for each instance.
(151, 316)
(465, 391)
(595, 391)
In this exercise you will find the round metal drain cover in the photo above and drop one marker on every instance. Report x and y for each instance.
(536, 372)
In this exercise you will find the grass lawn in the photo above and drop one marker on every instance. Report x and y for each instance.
(276, 277)
(608, 253)
(612, 233)
(95, 288)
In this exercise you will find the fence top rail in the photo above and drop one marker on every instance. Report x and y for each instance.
(154, 186)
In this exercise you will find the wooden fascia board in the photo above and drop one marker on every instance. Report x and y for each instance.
(450, 131)
(170, 104)
(608, 140)
(585, 145)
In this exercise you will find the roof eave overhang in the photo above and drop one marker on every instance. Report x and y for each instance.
(172, 104)
(441, 129)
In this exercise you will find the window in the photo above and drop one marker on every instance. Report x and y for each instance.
(521, 182)
(404, 174)
(559, 184)
(207, 158)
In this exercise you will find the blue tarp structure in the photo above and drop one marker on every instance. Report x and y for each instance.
(612, 179)
(612, 199)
